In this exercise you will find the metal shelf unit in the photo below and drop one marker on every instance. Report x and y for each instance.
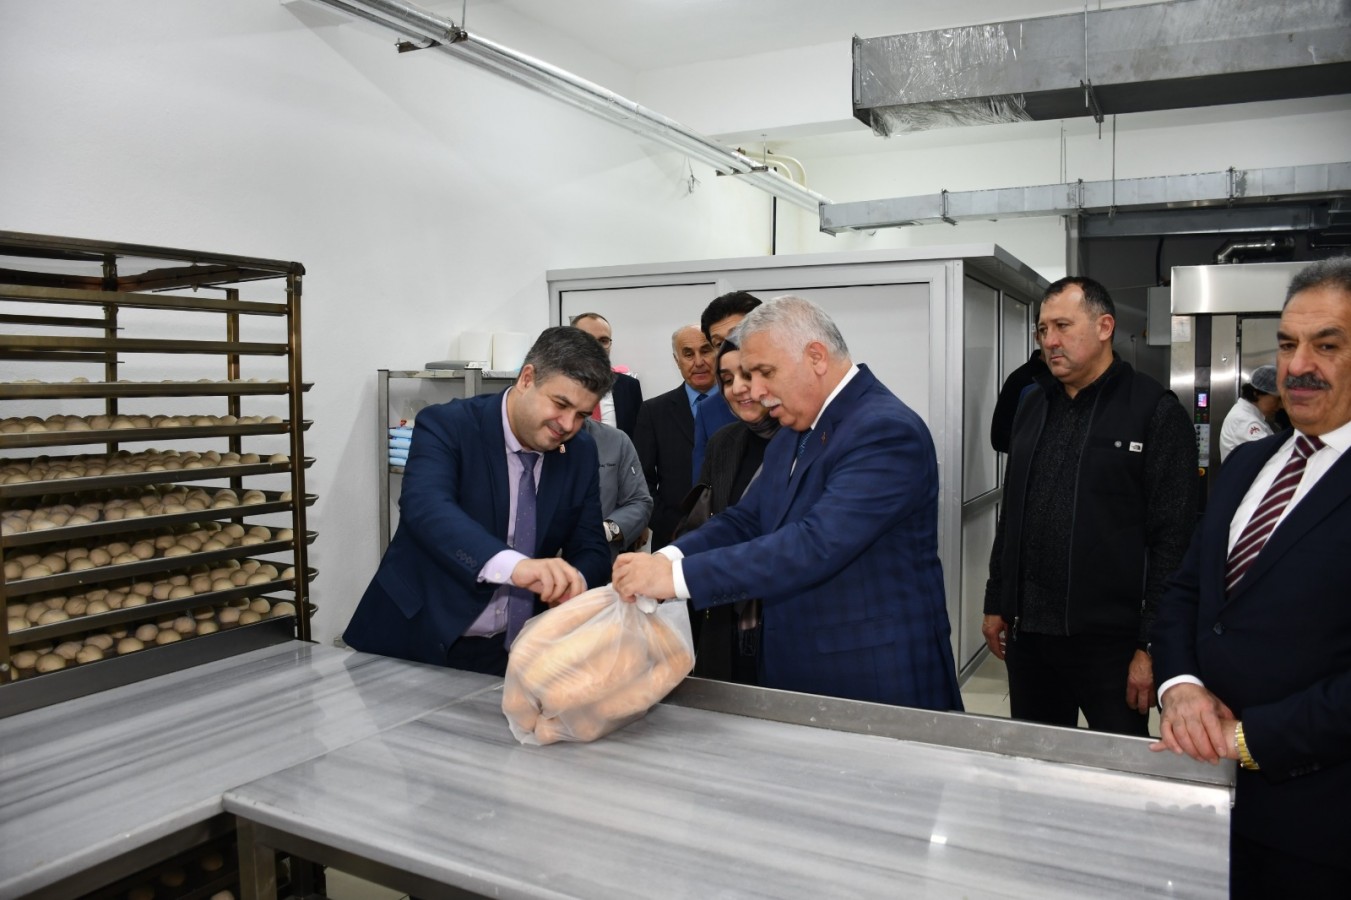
(463, 383)
(109, 310)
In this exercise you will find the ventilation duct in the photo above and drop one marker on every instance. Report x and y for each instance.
(1231, 188)
(425, 30)
(1185, 53)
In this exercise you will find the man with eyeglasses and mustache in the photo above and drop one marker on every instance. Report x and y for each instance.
(1253, 638)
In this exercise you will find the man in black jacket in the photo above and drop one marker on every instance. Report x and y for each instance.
(1099, 503)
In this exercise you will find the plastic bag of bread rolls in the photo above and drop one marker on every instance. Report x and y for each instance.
(593, 665)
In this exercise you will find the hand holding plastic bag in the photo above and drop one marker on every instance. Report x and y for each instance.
(593, 665)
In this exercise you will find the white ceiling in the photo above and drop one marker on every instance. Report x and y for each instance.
(658, 34)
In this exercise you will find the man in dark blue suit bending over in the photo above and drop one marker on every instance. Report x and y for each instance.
(838, 534)
(495, 488)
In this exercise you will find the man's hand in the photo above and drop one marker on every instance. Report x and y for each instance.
(551, 578)
(1197, 723)
(1140, 683)
(996, 632)
(643, 574)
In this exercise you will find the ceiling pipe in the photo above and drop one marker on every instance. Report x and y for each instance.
(1227, 253)
(434, 32)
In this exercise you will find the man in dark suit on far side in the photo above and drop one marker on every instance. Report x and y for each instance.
(620, 406)
(665, 433)
(1252, 645)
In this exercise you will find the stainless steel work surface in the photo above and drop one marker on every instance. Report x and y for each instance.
(89, 780)
(695, 803)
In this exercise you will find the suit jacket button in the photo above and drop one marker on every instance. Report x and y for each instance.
(1219, 628)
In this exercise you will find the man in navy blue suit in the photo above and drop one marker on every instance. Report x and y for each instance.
(458, 576)
(1252, 644)
(838, 534)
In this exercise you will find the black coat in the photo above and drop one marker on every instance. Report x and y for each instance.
(628, 397)
(664, 438)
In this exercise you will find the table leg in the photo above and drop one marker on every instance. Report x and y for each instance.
(257, 864)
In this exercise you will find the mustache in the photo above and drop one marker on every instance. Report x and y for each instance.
(770, 402)
(1305, 383)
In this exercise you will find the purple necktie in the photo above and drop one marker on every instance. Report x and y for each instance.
(520, 602)
(1263, 521)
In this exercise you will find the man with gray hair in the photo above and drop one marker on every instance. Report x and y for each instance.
(838, 534)
(1252, 645)
(499, 515)
(664, 436)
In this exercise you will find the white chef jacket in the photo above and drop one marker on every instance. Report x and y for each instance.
(1244, 423)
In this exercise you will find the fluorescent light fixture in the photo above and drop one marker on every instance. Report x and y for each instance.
(431, 31)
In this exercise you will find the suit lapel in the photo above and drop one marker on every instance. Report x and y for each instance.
(680, 413)
(495, 454)
(1331, 491)
(819, 440)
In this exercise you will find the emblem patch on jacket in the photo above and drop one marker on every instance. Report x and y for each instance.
(1137, 447)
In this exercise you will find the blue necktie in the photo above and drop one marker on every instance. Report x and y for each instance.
(520, 602)
(698, 398)
(801, 448)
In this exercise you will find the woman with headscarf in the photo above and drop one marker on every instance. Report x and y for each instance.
(729, 636)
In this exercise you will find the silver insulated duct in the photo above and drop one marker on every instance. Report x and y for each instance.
(1185, 53)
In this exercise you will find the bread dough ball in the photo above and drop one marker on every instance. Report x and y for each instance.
(102, 641)
(283, 608)
(207, 628)
(68, 649)
(50, 662)
(52, 616)
(146, 633)
(228, 617)
(260, 605)
(248, 617)
(88, 654)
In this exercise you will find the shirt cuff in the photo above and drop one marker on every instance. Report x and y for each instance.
(1179, 679)
(676, 555)
(499, 568)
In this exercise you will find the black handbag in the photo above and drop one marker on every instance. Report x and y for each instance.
(695, 509)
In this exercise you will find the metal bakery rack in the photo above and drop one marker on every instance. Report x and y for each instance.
(189, 522)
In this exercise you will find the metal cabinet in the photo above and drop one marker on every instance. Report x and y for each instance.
(400, 393)
(188, 522)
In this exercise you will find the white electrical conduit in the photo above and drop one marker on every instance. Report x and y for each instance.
(421, 27)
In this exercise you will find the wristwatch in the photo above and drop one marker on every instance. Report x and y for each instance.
(612, 532)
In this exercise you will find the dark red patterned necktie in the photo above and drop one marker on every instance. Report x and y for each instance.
(1268, 512)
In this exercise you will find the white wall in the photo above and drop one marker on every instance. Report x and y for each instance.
(423, 196)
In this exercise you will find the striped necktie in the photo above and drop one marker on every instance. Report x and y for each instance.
(1268, 512)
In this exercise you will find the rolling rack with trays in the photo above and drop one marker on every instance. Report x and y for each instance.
(108, 547)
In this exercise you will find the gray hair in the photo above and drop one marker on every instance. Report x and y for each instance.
(675, 335)
(794, 322)
(1334, 272)
(572, 353)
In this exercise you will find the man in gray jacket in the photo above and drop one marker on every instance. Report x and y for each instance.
(624, 499)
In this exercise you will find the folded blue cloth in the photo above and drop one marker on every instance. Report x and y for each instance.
(402, 431)
(399, 443)
(401, 461)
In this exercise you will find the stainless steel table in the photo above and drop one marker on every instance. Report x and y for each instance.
(123, 778)
(693, 802)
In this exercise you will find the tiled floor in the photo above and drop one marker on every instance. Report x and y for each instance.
(986, 693)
